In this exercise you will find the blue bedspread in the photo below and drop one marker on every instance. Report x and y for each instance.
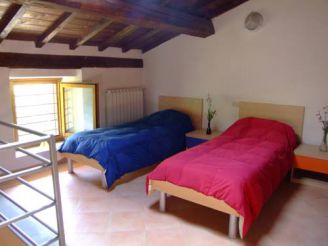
(134, 145)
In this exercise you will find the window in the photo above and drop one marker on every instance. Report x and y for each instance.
(51, 107)
(78, 107)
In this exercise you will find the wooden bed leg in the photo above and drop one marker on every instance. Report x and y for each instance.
(162, 202)
(233, 223)
(70, 167)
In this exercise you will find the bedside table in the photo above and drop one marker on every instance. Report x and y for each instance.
(199, 136)
(309, 158)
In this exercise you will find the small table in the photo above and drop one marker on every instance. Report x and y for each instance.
(199, 136)
(310, 158)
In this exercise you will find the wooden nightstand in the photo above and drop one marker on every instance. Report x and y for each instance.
(309, 158)
(199, 136)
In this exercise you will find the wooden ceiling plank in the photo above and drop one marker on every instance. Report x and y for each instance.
(141, 14)
(94, 31)
(141, 40)
(130, 37)
(10, 19)
(18, 60)
(4, 4)
(56, 27)
(118, 37)
(158, 41)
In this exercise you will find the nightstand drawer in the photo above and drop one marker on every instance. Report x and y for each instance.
(191, 142)
(311, 164)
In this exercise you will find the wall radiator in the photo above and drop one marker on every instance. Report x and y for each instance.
(124, 105)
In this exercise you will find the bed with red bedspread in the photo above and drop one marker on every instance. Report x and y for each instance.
(242, 167)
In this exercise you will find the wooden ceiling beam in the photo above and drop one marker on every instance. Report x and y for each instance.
(56, 27)
(10, 19)
(18, 60)
(158, 41)
(33, 37)
(94, 31)
(117, 37)
(218, 7)
(141, 14)
(133, 37)
(140, 41)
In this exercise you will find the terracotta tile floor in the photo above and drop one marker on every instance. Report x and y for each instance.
(295, 215)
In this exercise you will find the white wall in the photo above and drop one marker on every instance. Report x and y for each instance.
(284, 62)
(5, 115)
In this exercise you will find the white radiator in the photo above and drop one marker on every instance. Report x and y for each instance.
(124, 105)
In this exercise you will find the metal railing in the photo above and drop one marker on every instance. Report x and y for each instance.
(44, 164)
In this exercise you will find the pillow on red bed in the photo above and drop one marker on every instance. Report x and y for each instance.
(271, 130)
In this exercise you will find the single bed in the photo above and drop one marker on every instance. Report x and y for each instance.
(137, 145)
(236, 172)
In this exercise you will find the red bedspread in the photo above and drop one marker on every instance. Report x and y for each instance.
(243, 166)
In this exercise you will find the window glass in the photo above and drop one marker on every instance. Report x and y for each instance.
(36, 108)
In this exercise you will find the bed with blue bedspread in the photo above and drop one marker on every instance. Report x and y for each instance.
(131, 146)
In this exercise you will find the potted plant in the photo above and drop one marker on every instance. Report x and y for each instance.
(210, 114)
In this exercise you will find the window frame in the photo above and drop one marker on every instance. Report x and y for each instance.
(60, 100)
(23, 81)
(62, 86)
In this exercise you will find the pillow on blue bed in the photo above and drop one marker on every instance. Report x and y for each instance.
(171, 118)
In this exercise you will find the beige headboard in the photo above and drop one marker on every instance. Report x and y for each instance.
(188, 105)
(291, 115)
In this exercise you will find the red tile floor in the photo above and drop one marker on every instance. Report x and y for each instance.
(295, 215)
